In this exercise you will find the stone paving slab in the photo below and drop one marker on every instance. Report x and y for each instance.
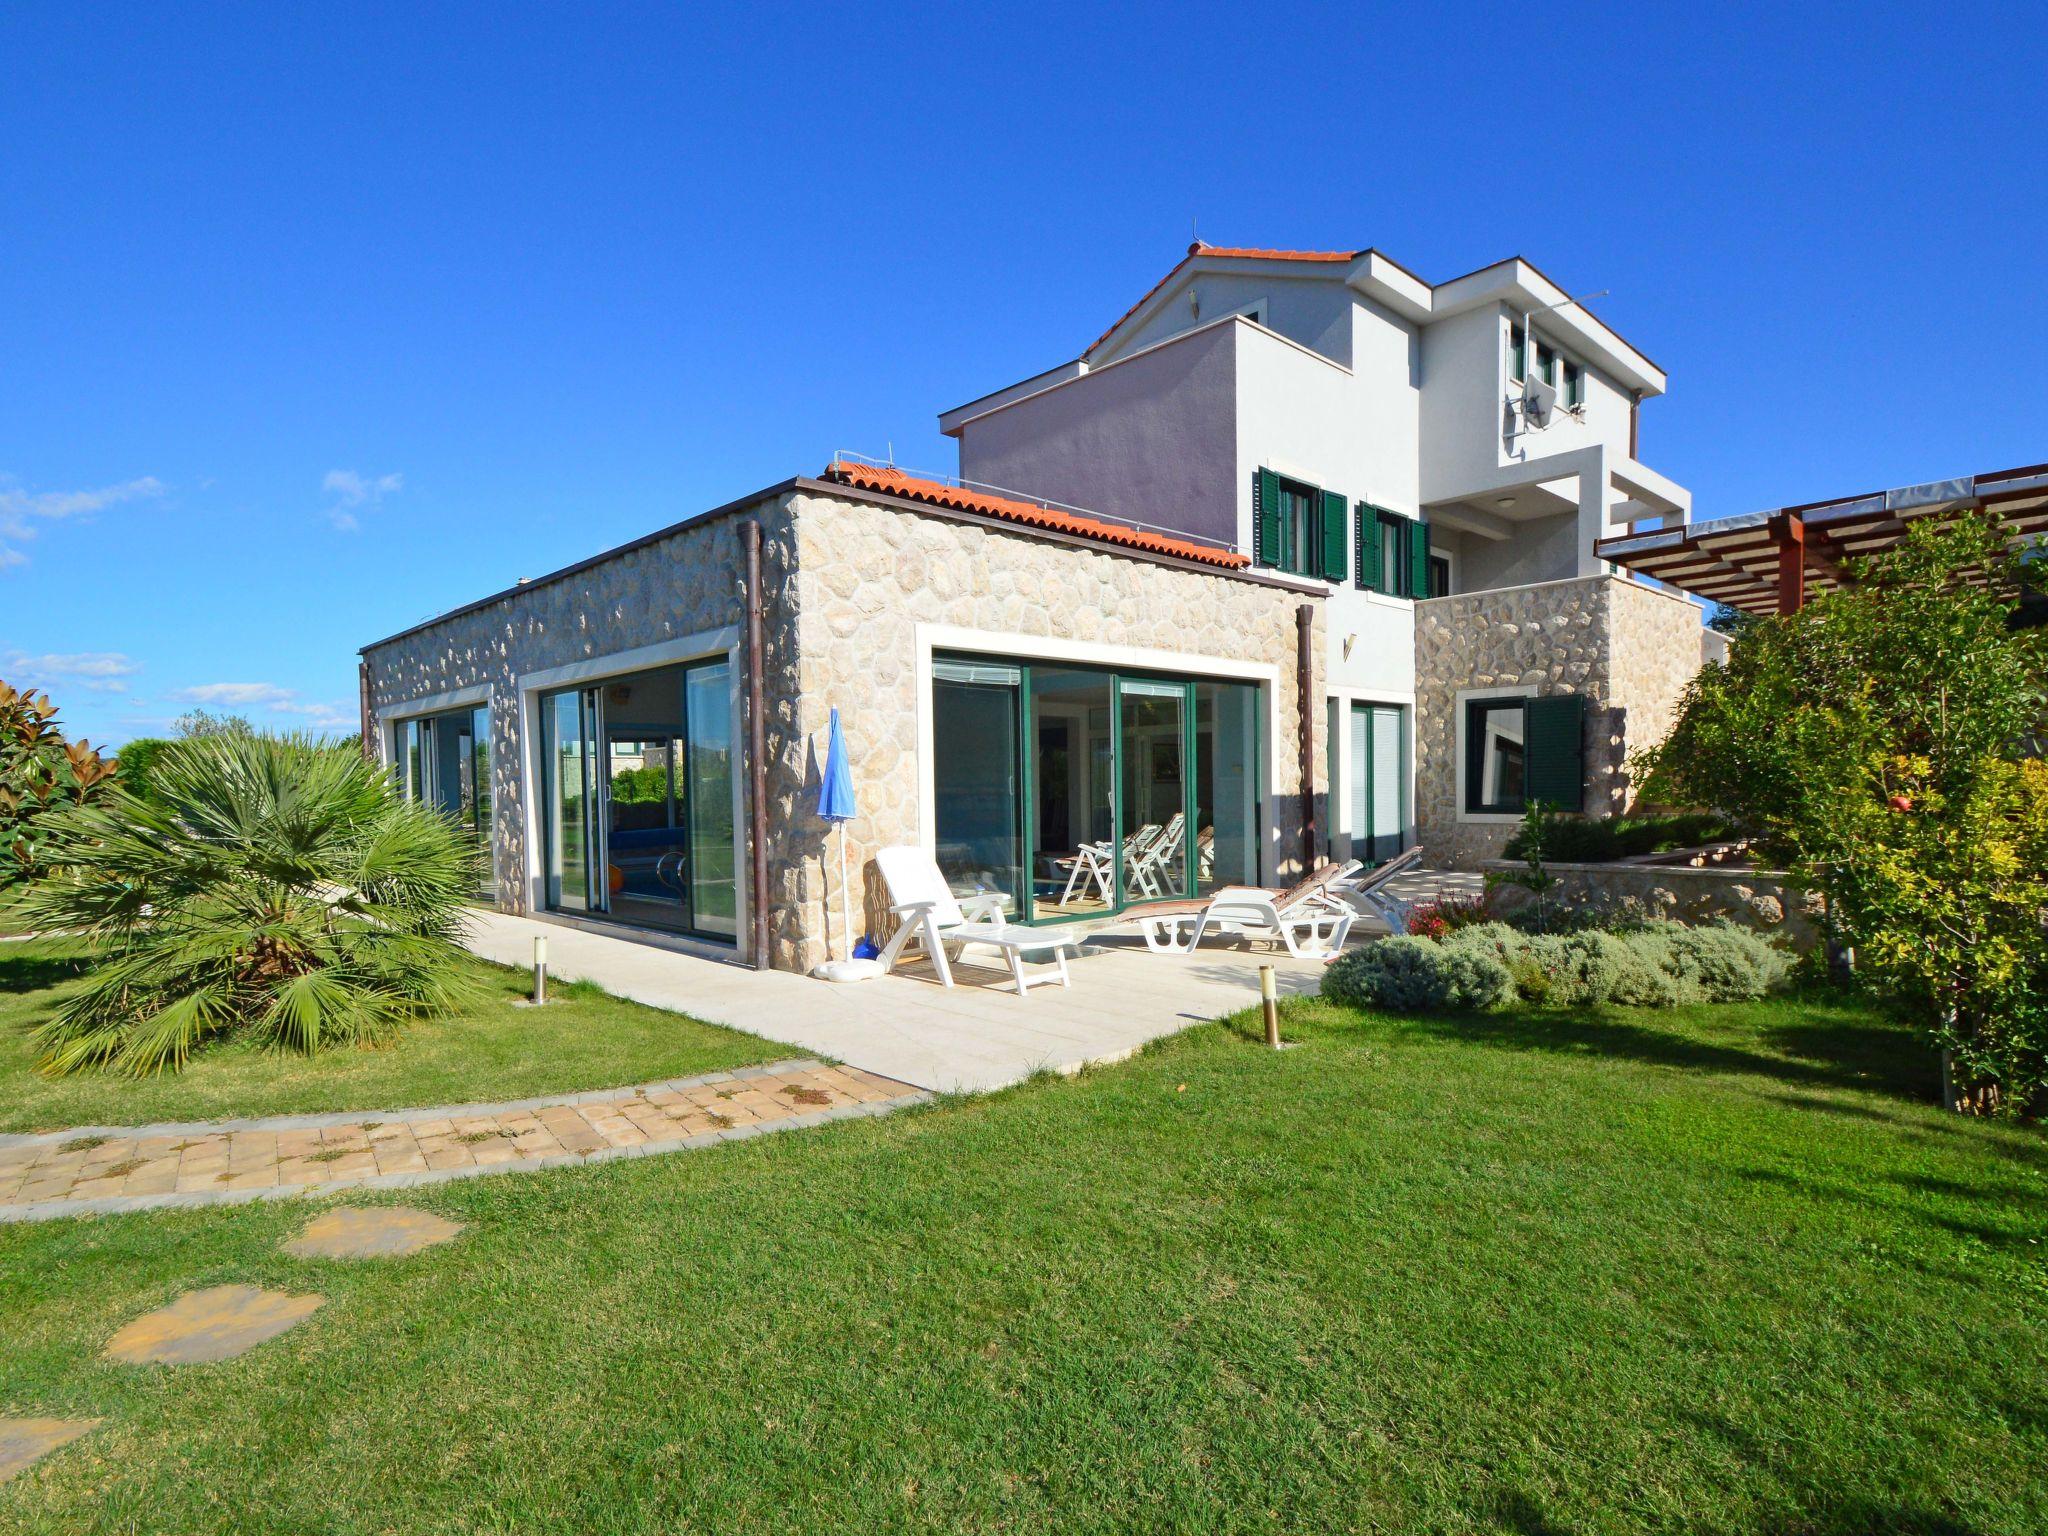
(214, 1324)
(372, 1232)
(110, 1169)
(23, 1442)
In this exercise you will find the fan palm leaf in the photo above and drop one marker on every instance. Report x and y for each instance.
(274, 884)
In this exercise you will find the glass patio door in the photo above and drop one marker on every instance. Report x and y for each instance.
(1074, 793)
(572, 792)
(1073, 775)
(637, 799)
(1152, 744)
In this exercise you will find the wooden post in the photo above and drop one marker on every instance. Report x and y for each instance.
(1791, 532)
(1305, 696)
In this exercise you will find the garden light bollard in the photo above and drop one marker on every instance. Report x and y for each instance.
(540, 969)
(1272, 1006)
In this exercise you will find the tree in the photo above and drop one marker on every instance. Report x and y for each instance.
(276, 885)
(199, 722)
(138, 759)
(1874, 740)
(40, 774)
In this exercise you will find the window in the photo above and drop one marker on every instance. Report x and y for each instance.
(1439, 575)
(1495, 756)
(1519, 750)
(1574, 384)
(1393, 552)
(1546, 362)
(1518, 353)
(1299, 528)
(444, 761)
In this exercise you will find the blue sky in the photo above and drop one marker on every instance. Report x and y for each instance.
(310, 328)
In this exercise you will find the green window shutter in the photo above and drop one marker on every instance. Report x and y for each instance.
(1266, 519)
(1418, 559)
(1368, 547)
(1555, 754)
(1336, 536)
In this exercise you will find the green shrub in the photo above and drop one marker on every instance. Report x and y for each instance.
(1413, 975)
(1602, 839)
(1642, 965)
(1724, 963)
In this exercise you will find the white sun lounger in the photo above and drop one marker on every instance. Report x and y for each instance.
(1309, 918)
(930, 913)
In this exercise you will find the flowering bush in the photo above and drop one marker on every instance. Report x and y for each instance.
(1447, 914)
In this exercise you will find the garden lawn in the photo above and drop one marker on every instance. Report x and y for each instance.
(488, 1052)
(1711, 1271)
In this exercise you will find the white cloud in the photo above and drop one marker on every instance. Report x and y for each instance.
(21, 510)
(350, 489)
(238, 695)
(99, 671)
(273, 699)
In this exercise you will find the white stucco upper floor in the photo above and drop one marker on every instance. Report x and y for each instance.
(1343, 370)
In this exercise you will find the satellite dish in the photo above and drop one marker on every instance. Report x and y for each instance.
(1538, 400)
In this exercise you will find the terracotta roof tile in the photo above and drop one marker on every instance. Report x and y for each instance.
(873, 477)
(1240, 253)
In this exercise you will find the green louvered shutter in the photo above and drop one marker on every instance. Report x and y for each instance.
(1418, 559)
(1555, 770)
(1266, 519)
(1336, 536)
(1368, 547)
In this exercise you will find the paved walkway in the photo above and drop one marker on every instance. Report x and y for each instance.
(973, 1037)
(128, 1168)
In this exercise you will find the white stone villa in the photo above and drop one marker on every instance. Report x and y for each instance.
(1298, 560)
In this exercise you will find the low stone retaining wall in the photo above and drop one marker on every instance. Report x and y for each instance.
(1758, 899)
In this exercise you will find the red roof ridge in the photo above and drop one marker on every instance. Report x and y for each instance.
(1229, 252)
(1250, 253)
(895, 482)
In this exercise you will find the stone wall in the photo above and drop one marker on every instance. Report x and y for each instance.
(845, 584)
(1758, 899)
(868, 575)
(664, 589)
(1628, 649)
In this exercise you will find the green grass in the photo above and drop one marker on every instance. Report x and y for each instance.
(491, 1051)
(1706, 1271)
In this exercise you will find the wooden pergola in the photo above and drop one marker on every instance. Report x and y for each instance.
(1769, 562)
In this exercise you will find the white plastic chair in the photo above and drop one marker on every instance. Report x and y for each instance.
(1147, 866)
(936, 918)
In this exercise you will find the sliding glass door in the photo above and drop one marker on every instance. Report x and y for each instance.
(1153, 746)
(568, 729)
(1073, 774)
(1076, 792)
(637, 818)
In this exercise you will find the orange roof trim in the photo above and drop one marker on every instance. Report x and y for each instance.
(872, 477)
(1231, 252)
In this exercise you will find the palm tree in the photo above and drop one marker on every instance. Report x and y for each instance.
(275, 884)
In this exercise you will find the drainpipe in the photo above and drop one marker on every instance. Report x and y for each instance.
(757, 751)
(368, 723)
(1304, 691)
